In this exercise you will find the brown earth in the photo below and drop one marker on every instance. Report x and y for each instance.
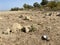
(45, 24)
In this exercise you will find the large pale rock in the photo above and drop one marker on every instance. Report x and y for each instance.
(16, 27)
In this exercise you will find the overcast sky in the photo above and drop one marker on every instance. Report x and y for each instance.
(7, 4)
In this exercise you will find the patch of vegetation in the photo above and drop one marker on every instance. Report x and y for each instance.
(44, 5)
(27, 6)
(36, 5)
(16, 9)
(44, 2)
(29, 29)
(32, 29)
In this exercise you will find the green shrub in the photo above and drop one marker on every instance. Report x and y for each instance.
(44, 2)
(26, 6)
(36, 5)
(15, 9)
(52, 4)
(44, 5)
(32, 29)
(21, 9)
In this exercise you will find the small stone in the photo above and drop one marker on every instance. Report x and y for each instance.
(6, 31)
(45, 37)
(58, 15)
(20, 16)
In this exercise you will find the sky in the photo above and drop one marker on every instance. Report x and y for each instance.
(8, 4)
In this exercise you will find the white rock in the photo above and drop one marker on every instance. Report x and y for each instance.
(20, 16)
(45, 37)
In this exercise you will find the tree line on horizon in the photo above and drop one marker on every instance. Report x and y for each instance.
(44, 5)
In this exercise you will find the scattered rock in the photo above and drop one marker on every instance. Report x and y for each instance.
(16, 27)
(49, 14)
(27, 18)
(26, 29)
(7, 31)
(20, 16)
(58, 15)
(33, 28)
(45, 37)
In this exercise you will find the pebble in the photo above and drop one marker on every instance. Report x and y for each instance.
(45, 37)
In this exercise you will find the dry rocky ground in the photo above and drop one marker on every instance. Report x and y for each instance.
(16, 27)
